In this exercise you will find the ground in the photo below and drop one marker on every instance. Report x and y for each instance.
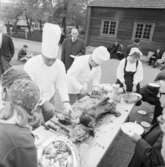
(119, 154)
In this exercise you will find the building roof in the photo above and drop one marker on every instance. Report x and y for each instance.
(151, 4)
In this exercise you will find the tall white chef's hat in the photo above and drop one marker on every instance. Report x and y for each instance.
(50, 40)
(100, 54)
(135, 51)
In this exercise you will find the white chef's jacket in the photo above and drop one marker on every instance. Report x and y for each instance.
(48, 78)
(80, 75)
(138, 77)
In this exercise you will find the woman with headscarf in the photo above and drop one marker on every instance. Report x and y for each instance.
(17, 147)
(130, 71)
(7, 79)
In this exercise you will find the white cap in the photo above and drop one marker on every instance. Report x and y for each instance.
(50, 40)
(135, 50)
(100, 54)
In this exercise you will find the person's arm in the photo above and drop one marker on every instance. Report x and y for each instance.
(61, 83)
(97, 76)
(11, 47)
(30, 69)
(82, 48)
(73, 74)
(120, 71)
(138, 77)
(148, 154)
(63, 51)
(20, 157)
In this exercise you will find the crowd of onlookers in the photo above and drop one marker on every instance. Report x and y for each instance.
(155, 58)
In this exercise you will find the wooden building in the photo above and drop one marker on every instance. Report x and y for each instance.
(125, 20)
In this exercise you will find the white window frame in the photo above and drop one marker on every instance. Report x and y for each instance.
(102, 26)
(144, 23)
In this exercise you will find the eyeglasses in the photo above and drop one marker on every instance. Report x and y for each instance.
(161, 94)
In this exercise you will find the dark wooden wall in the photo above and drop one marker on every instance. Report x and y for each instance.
(126, 18)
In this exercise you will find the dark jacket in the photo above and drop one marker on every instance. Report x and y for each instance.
(22, 53)
(149, 94)
(6, 52)
(148, 150)
(17, 147)
(76, 48)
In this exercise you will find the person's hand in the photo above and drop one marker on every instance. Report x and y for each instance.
(135, 137)
(124, 87)
(83, 90)
(161, 121)
(134, 88)
(120, 90)
(68, 108)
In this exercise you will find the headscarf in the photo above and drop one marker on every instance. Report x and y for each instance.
(12, 75)
(24, 93)
(135, 51)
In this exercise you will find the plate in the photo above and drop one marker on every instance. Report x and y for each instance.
(142, 112)
(129, 127)
(131, 97)
(155, 85)
(145, 124)
(60, 152)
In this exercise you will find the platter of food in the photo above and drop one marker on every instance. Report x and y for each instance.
(131, 97)
(101, 90)
(58, 152)
(79, 133)
(129, 128)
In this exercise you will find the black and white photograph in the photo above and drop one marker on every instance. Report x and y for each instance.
(82, 83)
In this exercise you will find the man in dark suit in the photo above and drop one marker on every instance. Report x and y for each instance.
(6, 49)
(149, 95)
(72, 47)
(149, 150)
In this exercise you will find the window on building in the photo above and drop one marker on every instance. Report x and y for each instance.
(143, 31)
(109, 27)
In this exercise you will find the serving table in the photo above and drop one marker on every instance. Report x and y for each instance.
(93, 149)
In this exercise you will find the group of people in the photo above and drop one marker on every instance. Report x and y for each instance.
(119, 51)
(30, 93)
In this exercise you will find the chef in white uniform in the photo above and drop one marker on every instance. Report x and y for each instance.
(85, 70)
(48, 72)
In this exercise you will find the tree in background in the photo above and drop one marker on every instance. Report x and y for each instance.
(64, 12)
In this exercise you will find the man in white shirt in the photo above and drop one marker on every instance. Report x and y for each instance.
(48, 72)
(130, 71)
(85, 70)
